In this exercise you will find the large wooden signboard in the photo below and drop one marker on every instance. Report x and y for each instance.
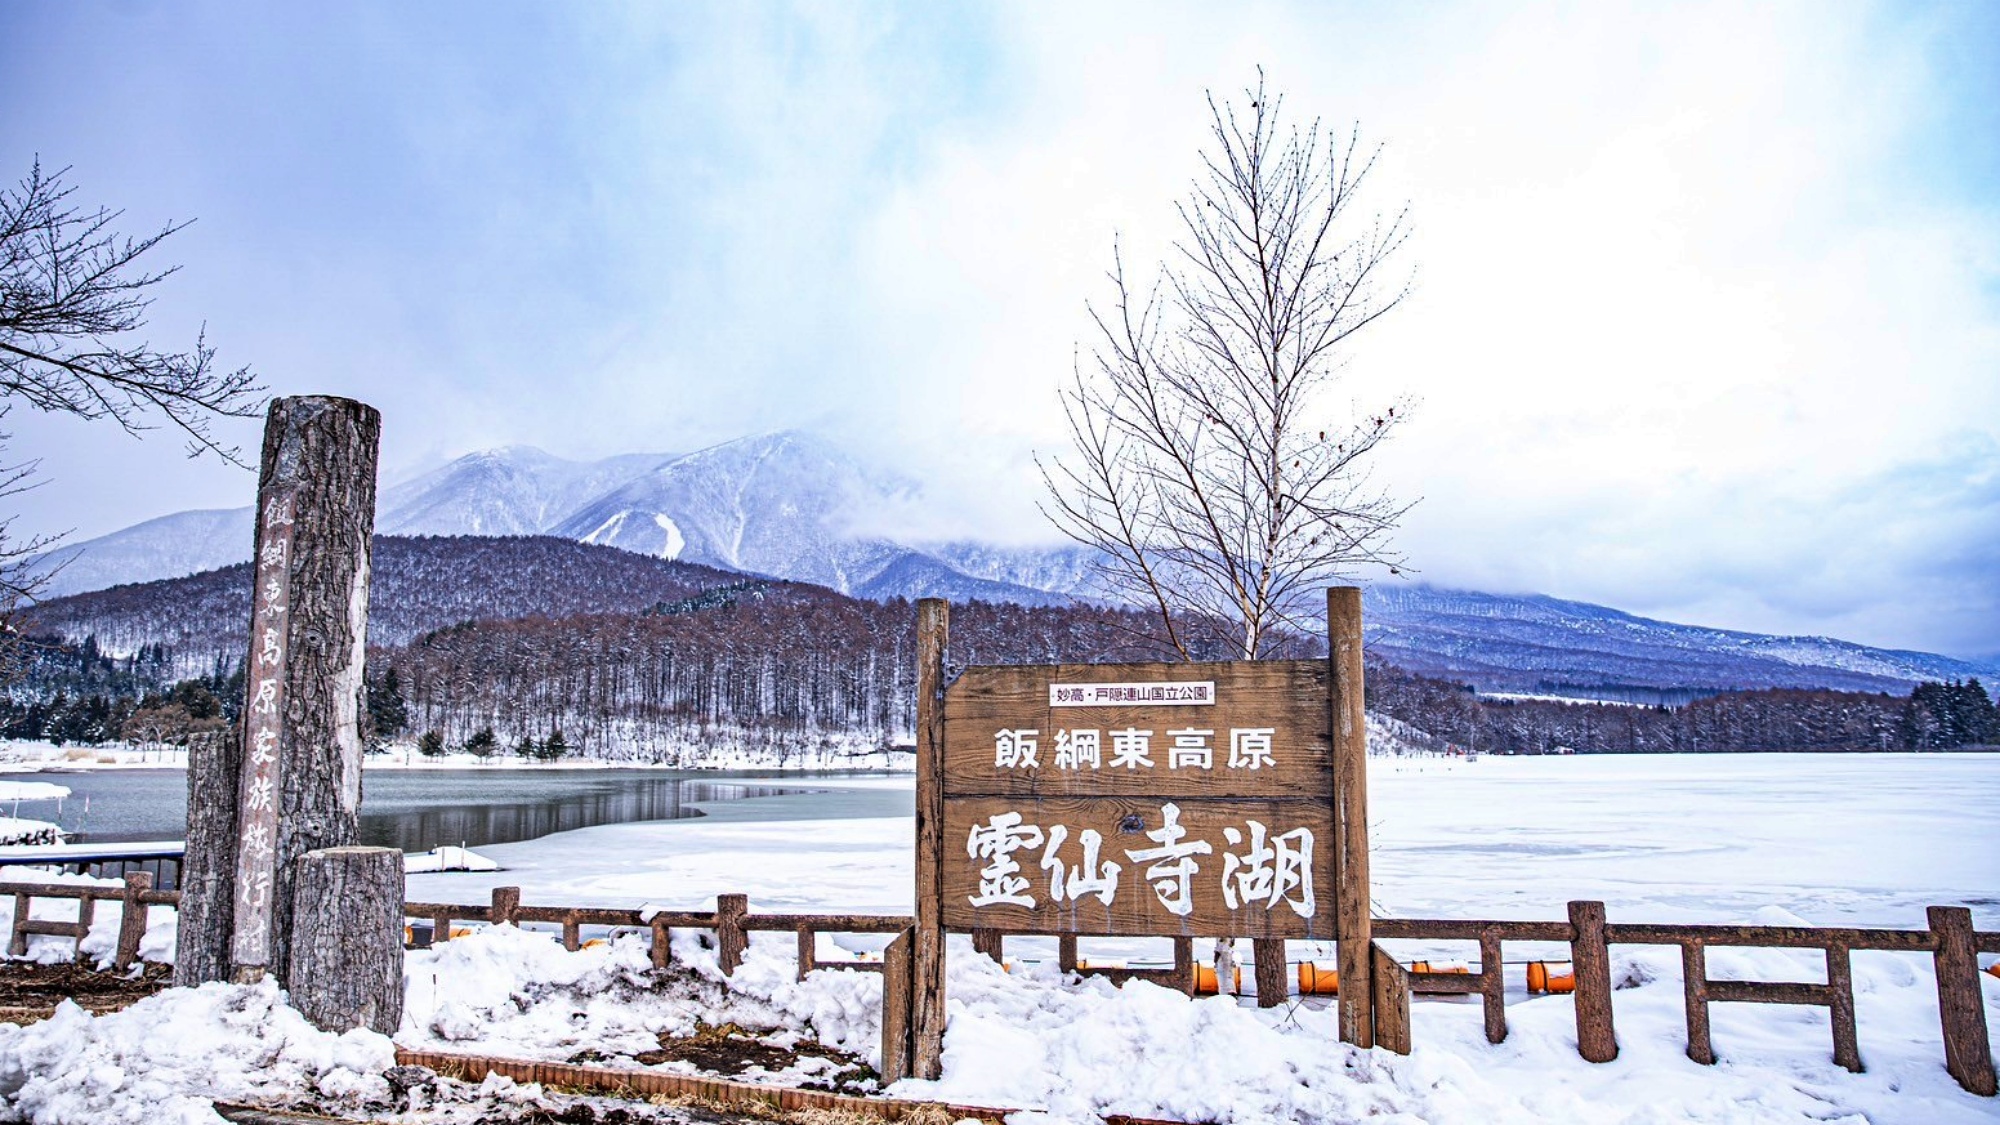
(1140, 799)
(1182, 800)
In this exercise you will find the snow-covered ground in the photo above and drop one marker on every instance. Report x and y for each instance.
(1778, 838)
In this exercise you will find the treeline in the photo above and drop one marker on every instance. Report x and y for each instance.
(1933, 717)
(76, 694)
(772, 664)
(667, 663)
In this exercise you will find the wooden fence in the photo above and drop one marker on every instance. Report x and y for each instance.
(137, 896)
(1951, 940)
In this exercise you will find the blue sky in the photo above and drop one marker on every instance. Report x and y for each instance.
(1707, 323)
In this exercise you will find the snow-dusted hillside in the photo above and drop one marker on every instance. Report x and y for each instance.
(1534, 642)
(787, 505)
(794, 506)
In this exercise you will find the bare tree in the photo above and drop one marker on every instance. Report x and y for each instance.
(73, 299)
(22, 578)
(1203, 472)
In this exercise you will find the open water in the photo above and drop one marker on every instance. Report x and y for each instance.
(417, 810)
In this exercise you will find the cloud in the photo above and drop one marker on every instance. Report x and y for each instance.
(1708, 309)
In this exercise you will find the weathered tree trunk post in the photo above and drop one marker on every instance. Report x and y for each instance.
(293, 783)
(346, 964)
(300, 787)
(1353, 925)
(927, 990)
(208, 866)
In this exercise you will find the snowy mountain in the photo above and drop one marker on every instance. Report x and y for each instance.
(787, 505)
(518, 490)
(1542, 644)
(170, 546)
(793, 506)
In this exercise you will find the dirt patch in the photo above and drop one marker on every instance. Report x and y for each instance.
(29, 992)
(730, 1051)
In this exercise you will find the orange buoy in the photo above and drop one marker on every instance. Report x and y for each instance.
(1318, 978)
(593, 943)
(1204, 980)
(1993, 969)
(1540, 979)
(460, 931)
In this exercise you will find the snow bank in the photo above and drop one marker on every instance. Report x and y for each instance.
(164, 1059)
(520, 994)
(1073, 1050)
(1077, 1051)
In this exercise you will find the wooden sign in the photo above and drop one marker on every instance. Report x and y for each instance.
(1140, 799)
(1182, 800)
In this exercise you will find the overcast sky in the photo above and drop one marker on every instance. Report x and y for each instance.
(1707, 323)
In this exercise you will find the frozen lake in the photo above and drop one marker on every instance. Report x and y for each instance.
(1837, 839)
(417, 810)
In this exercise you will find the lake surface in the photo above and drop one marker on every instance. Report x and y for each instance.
(417, 810)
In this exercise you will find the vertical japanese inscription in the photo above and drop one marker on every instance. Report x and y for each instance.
(263, 720)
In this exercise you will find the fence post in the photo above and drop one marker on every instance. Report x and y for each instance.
(506, 907)
(132, 918)
(24, 907)
(992, 943)
(1391, 984)
(663, 948)
(898, 977)
(729, 938)
(1694, 997)
(1591, 958)
(1968, 1053)
(1840, 1007)
(1269, 956)
(1492, 985)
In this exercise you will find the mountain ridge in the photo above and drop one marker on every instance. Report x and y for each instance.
(792, 506)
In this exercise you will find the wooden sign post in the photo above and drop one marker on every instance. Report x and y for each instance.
(1223, 800)
(293, 784)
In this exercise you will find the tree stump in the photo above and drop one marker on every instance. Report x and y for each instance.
(208, 867)
(346, 964)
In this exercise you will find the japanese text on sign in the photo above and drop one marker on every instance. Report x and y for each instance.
(1189, 748)
(1259, 868)
(1199, 693)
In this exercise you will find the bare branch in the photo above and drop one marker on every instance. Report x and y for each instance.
(1198, 472)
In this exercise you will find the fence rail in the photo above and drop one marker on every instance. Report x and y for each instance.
(1951, 940)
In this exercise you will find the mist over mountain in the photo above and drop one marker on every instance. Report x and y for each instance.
(791, 506)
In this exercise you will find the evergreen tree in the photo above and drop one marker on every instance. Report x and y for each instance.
(482, 744)
(556, 747)
(386, 706)
(431, 744)
(526, 748)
